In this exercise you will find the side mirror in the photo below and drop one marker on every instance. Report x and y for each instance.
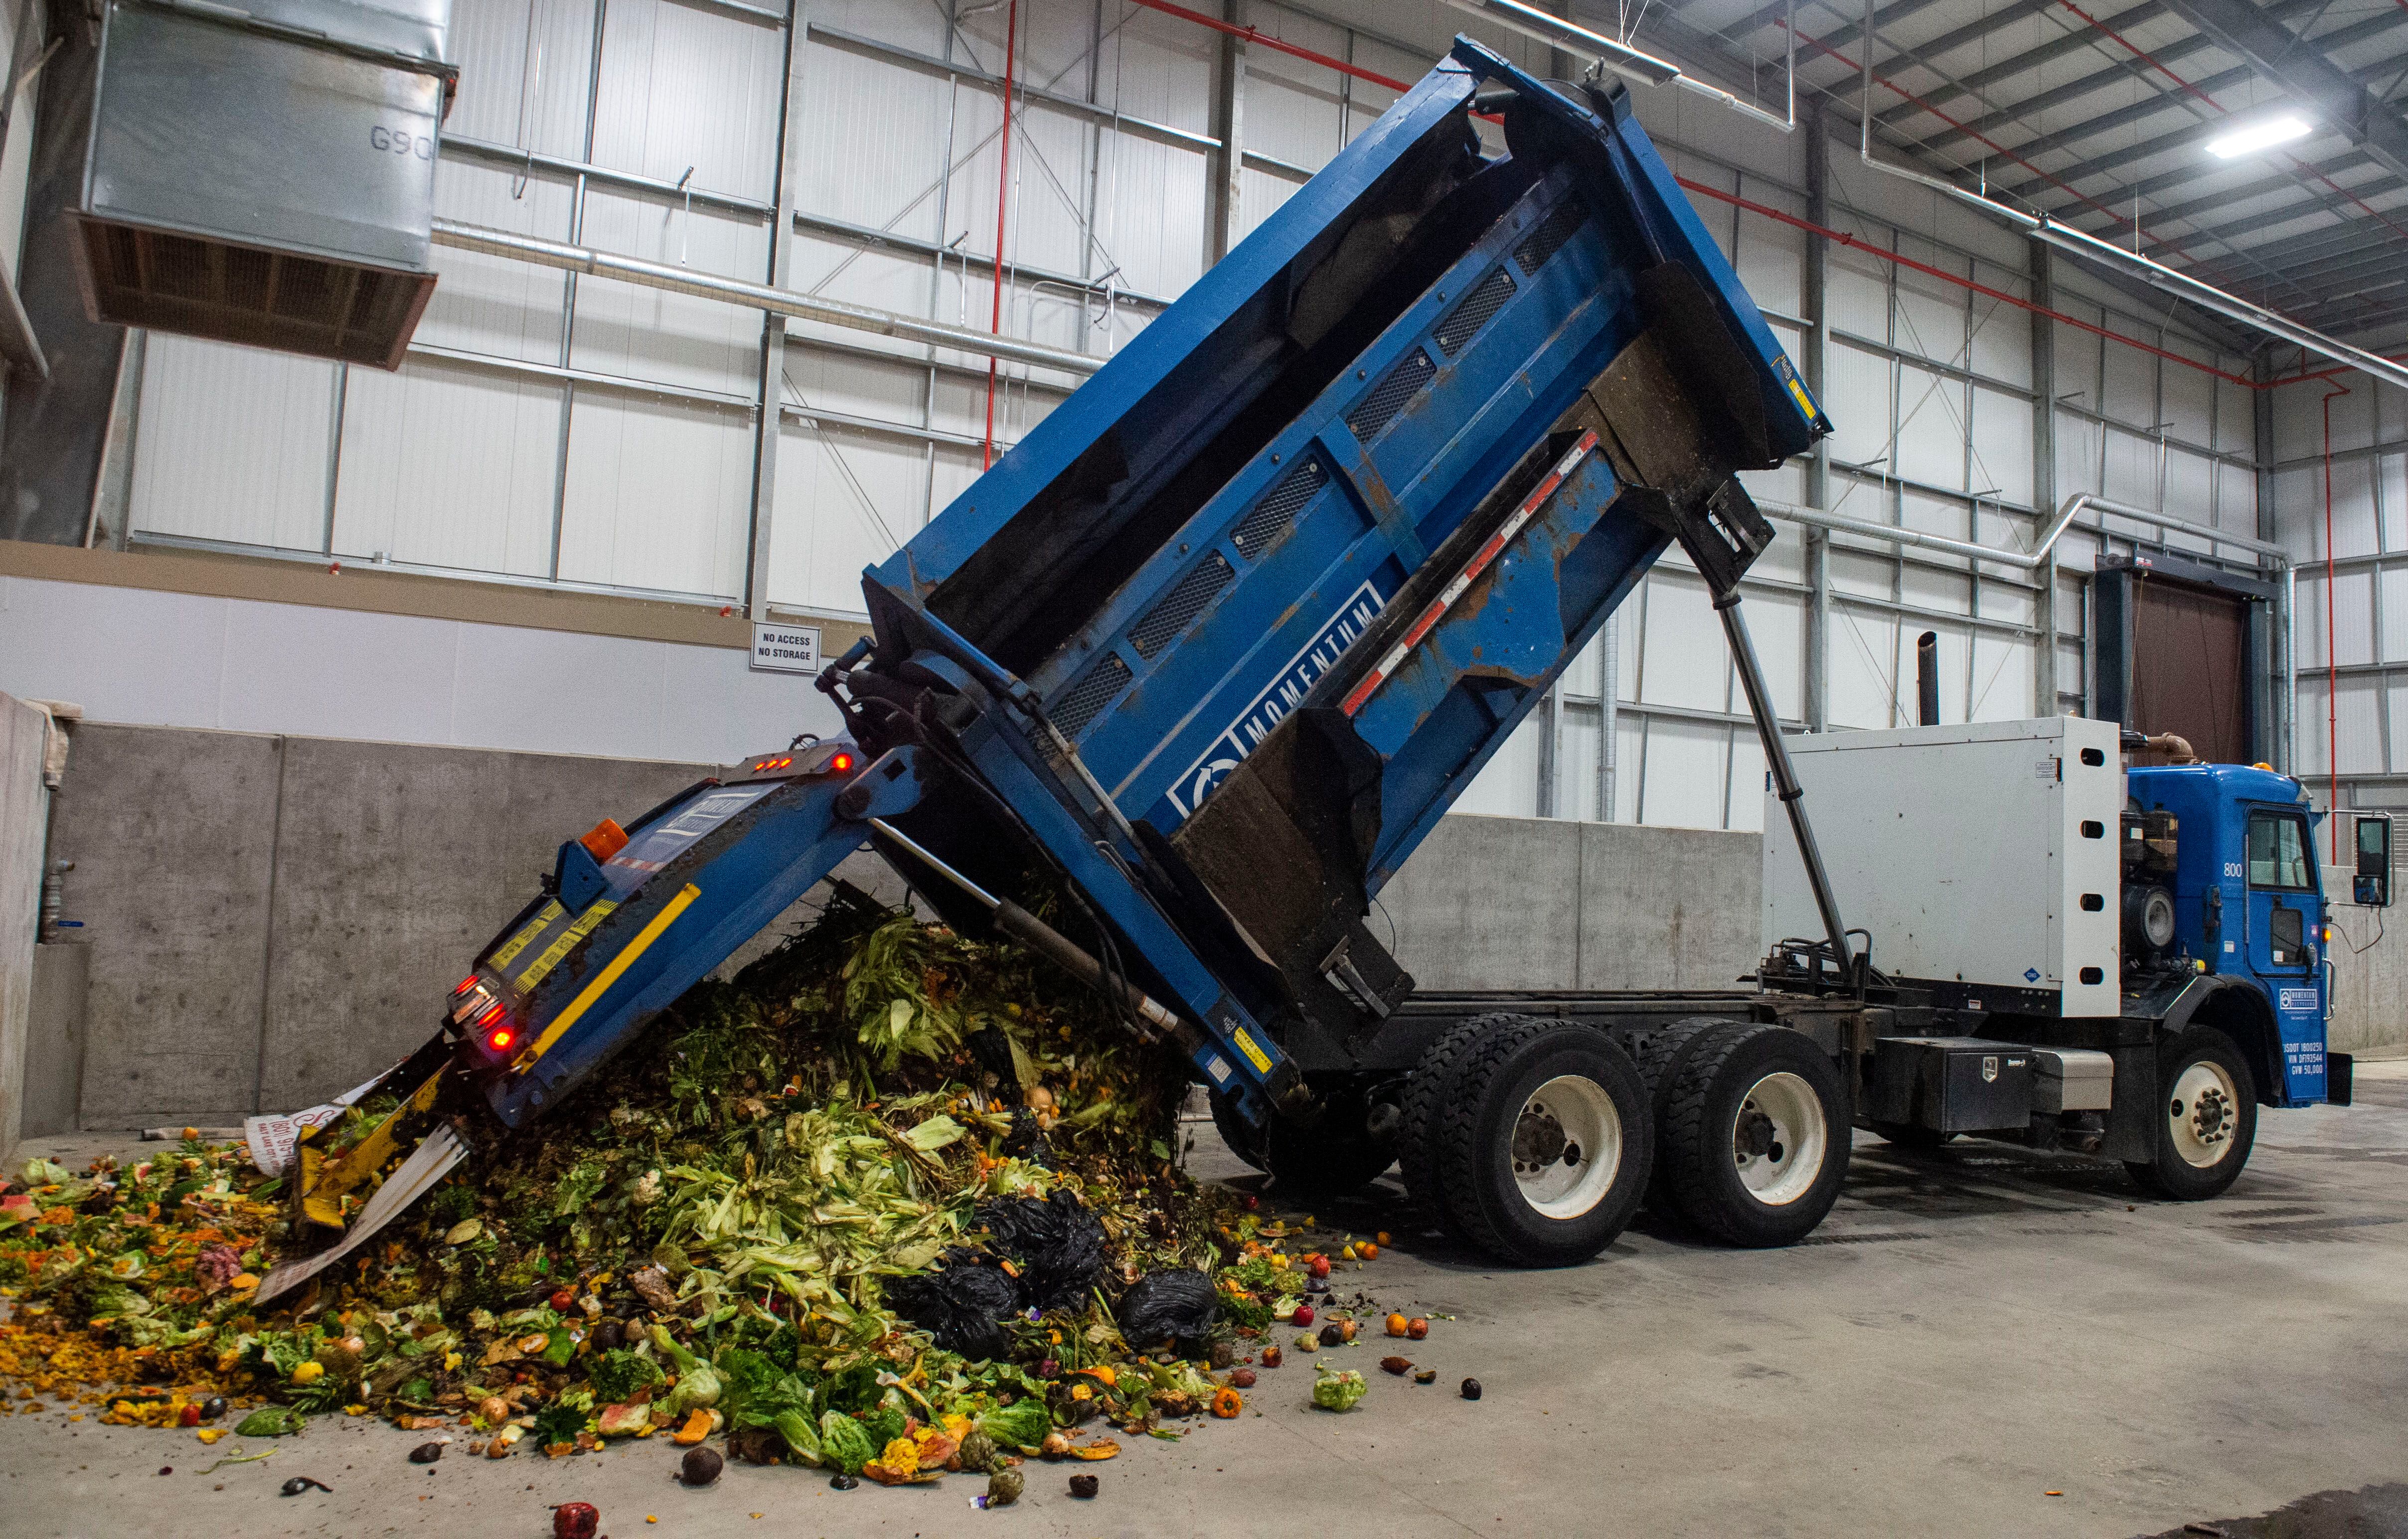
(2373, 885)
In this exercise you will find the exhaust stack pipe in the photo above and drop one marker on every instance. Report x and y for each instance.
(1927, 679)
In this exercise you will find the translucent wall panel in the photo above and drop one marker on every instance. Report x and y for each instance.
(236, 444)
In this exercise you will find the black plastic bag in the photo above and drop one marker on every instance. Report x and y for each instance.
(1057, 1242)
(963, 1305)
(1168, 1305)
(1026, 1141)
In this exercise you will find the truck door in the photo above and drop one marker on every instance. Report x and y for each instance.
(2285, 915)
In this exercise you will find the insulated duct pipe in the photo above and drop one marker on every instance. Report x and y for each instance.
(2157, 275)
(759, 296)
(2286, 607)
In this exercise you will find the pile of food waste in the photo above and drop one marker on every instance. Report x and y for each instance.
(894, 1201)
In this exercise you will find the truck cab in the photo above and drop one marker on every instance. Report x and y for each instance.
(2247, 902)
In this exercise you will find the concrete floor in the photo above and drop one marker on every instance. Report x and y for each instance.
(1971, 1332)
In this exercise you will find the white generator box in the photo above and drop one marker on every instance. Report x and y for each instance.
(1981, 858)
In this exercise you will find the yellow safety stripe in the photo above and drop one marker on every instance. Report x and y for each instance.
(507, 952)
(596, 912)
(609, 976)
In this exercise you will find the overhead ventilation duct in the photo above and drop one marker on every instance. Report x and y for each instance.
(266, 175)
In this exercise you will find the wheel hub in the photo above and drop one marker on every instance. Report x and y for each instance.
(2203, 1114)
(1539, 1140)
(1753, 1135)
(1567, 1147)
(1779, 1138)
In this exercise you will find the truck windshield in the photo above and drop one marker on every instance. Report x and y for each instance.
(2278, 851)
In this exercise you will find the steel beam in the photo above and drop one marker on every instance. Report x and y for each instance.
(2302, 70)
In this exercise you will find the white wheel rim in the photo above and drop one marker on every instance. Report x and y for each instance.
(1567, 1147)
(2202, 1112)
(1778, 1138)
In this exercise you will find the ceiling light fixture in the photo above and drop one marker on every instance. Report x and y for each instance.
(2258, 136)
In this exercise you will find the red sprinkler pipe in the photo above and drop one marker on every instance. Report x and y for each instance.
(1256, 35)
(2332, 665)
(1002, 200)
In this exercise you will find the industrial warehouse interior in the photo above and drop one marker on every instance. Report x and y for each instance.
(1071, 766)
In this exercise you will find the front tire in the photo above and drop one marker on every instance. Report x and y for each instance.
(1756, 1137)
(2206, 1119)
(1542, 1142)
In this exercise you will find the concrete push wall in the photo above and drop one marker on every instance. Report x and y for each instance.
(1539, 902)
(274, 920)
(24, 811)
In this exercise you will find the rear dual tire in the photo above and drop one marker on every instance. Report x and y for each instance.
(1753, 1138)
(1528, 1138)
(1738, 1130)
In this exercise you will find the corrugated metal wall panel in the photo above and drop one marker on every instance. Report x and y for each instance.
(1930, 314)
(236, 444)
(1863, 667)
(1158, 67)
(449, 464)
(1859, 383)
(1771, 255)
(918, 28)
(656, 495)
(525, 66)
(877, 137)
(2001, 334)
(845, 501)
(683, 86)
(486, 304)
(2003, 445)
(1682, 641)
(2353, 618)
(649, 334)
(1687, 768)
(1932, 428)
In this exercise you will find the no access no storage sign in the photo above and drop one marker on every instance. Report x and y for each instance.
(786, 649)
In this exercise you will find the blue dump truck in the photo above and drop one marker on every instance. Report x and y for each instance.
(1212, 650)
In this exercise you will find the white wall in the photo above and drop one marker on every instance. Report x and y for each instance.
(2354, 647)
(142, 657)
(637, 473)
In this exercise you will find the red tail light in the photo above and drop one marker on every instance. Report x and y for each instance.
(841, 761)
(465, 984)
(492, 1013)
(501, 1038)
